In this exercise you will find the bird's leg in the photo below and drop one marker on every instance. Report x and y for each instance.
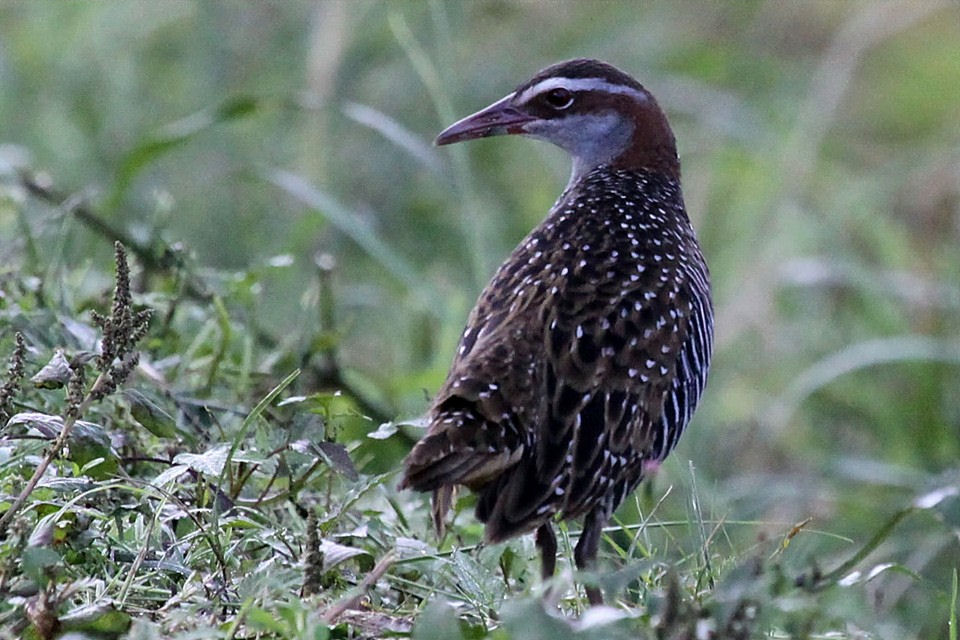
(585, 553)
(546, 541)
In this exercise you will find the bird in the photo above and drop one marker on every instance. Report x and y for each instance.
(587, 353)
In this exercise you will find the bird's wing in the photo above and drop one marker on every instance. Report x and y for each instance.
(607, 355)
(693, 363)
(479, 426)
(611, 359)
(569, 365)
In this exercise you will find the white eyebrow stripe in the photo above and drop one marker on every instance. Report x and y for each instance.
(577, 84)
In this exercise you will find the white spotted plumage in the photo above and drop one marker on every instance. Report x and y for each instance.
(587, 354)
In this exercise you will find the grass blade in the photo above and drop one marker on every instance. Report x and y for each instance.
(471, 218)
(352, 225)
(953, 607)
(173, 136)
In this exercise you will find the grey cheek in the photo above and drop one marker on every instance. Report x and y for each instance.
(591, 138)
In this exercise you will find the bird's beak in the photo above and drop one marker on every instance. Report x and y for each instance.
(500, 118)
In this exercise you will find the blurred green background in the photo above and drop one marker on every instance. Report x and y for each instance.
(820, 144)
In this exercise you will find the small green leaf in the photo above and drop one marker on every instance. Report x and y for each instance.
(384, 431)
(169, 475)
(527, 620)
(437, 622)
(933, 498)
(387, 429)
(42, 535)
(36, 561)
(143, 630)
(47, 425)
(334, 553)
(150, 415)
(55, 374)
(263, 620)
(87, 441)
(336, 456)
(210, 462)
(102, 620)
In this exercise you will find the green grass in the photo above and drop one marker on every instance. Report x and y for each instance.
(310, 260)
(174, 514)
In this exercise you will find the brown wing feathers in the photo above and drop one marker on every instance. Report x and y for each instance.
(566, 365)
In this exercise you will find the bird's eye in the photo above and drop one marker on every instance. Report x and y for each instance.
(559, 98)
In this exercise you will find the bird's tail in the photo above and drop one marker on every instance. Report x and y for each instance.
(458, 449)
(440, 504)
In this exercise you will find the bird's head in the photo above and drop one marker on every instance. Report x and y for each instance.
(592, 110)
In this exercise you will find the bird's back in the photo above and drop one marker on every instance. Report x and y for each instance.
(582, 361)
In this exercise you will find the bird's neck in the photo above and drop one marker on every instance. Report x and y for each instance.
(652, 146)
(594, 140)
(582, 168)
(656, 154)
(634, 186)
